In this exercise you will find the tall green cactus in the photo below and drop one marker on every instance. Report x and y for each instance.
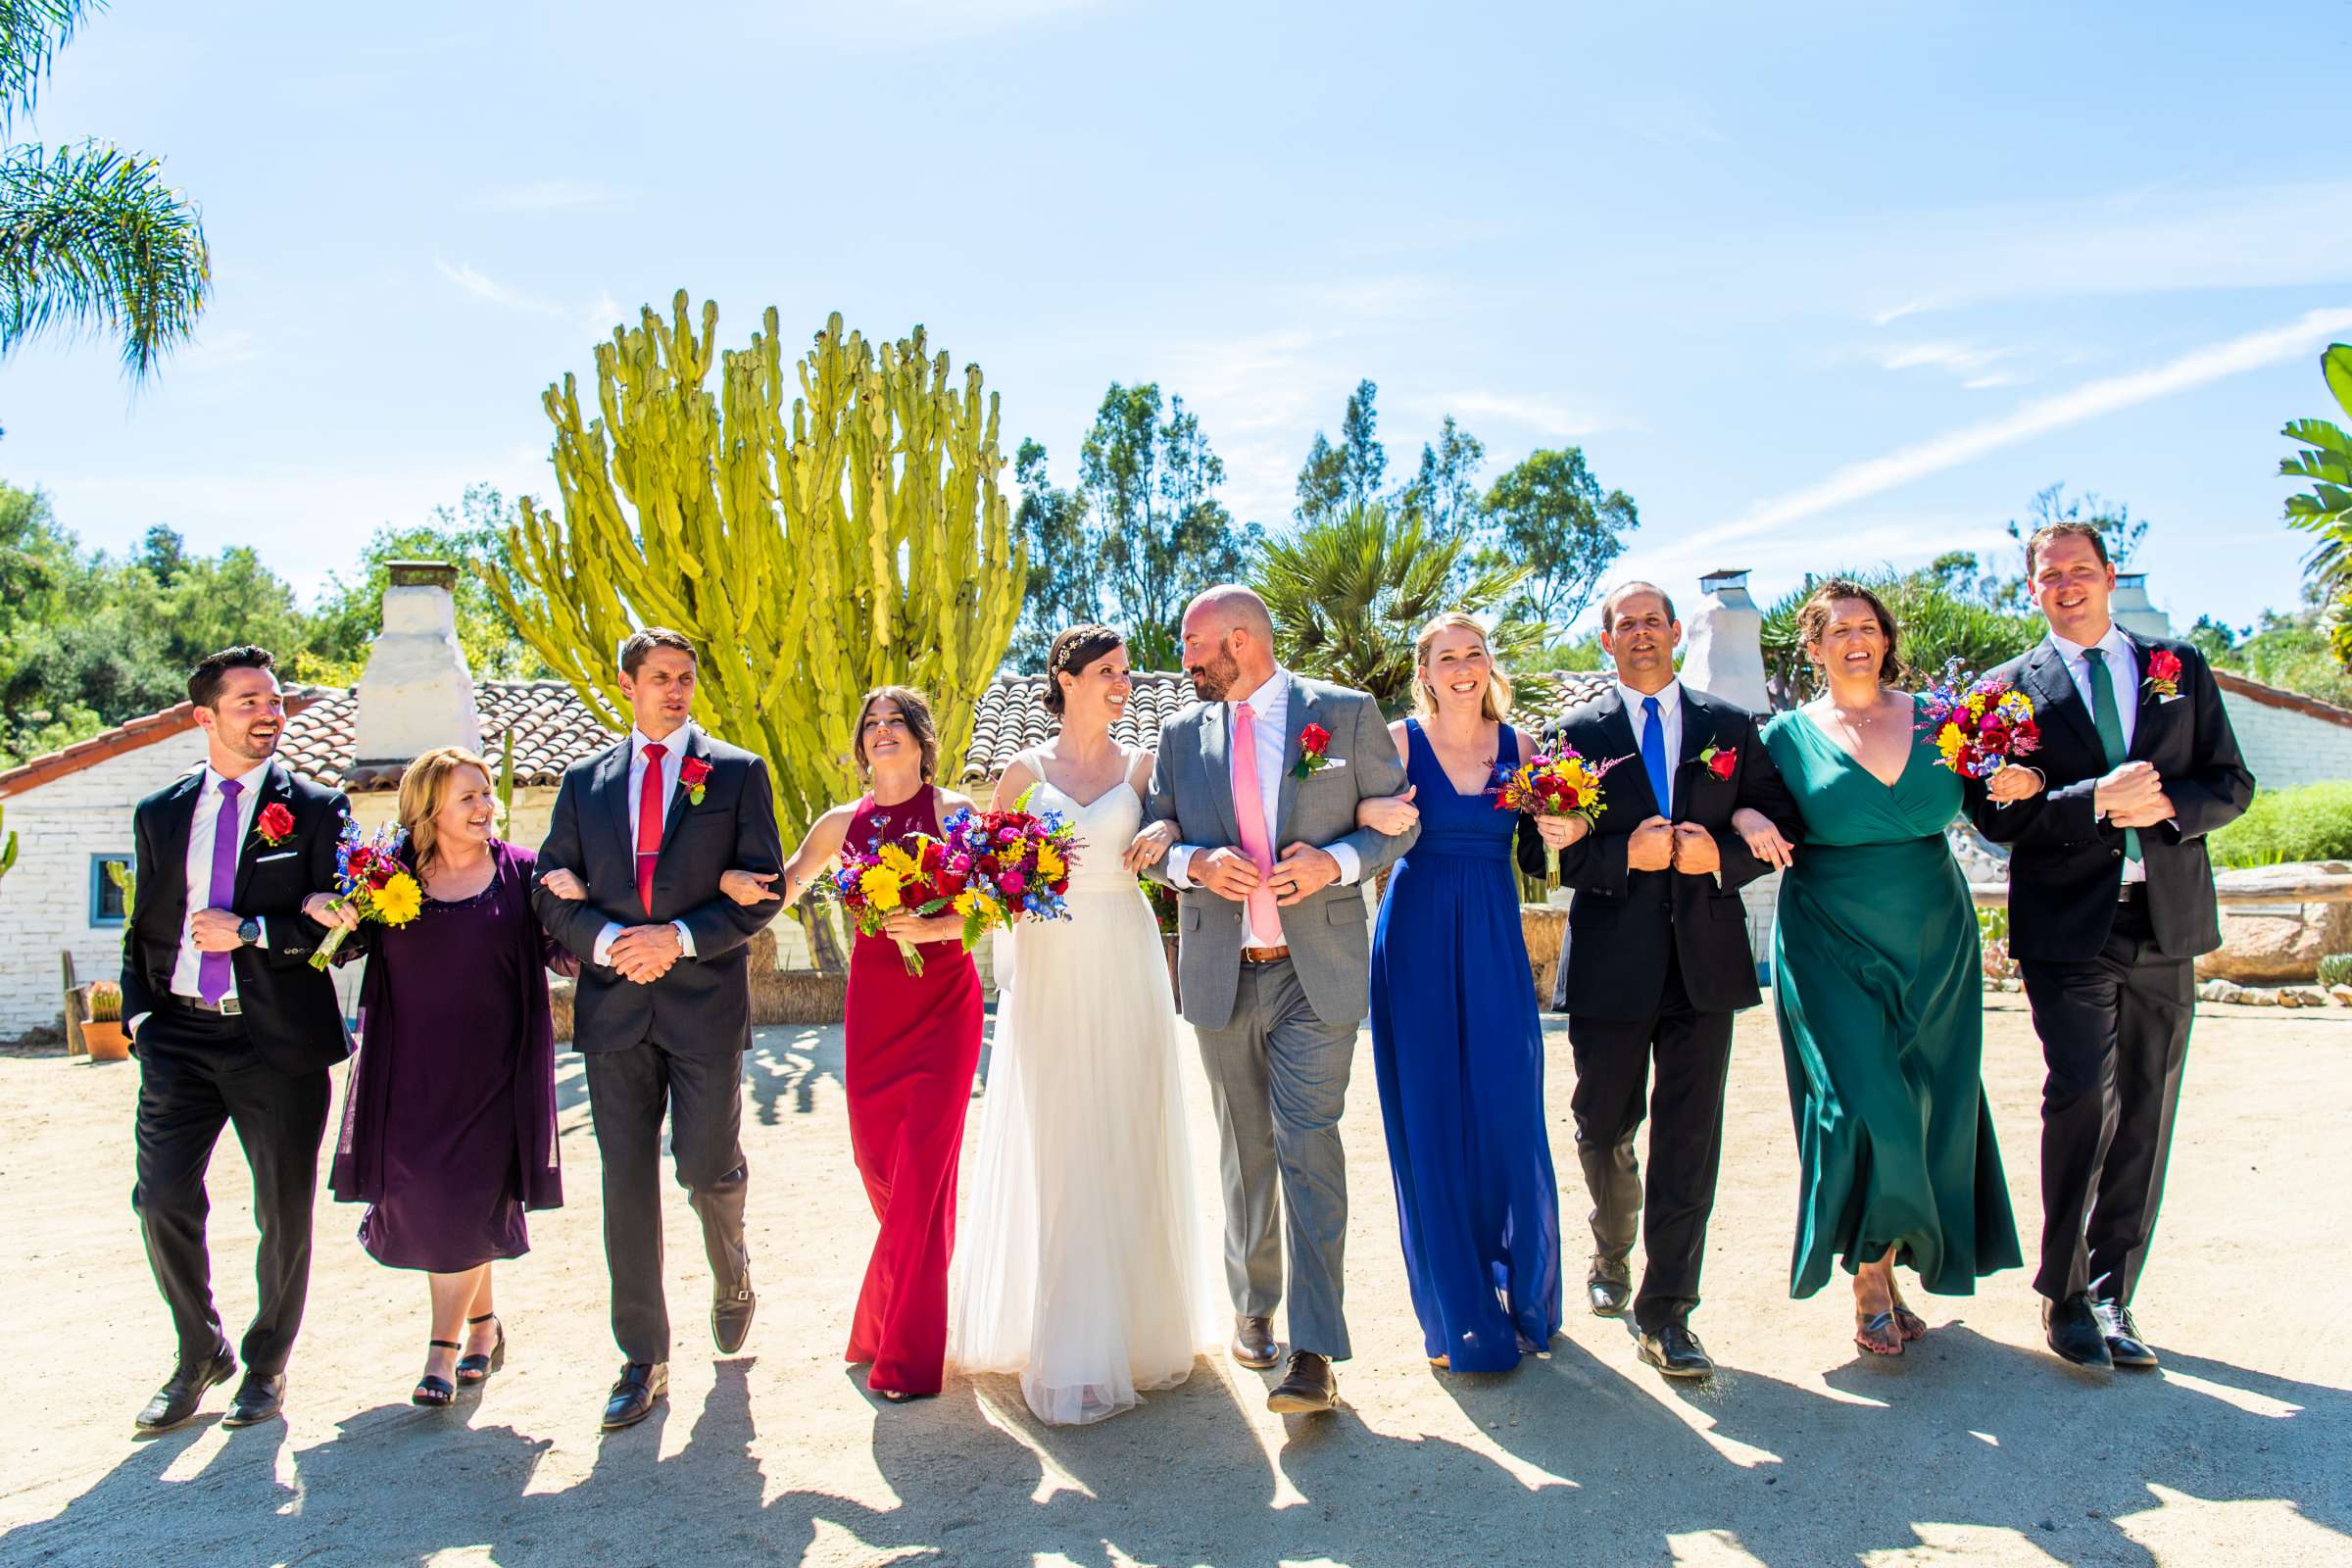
(813, 546)
(8, 851)
(506, 781)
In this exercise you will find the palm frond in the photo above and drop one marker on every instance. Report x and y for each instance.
(92, 239)
(31, 33)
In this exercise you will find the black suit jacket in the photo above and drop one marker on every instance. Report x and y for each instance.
(1620, 921)
(289, 1008)
(703, 1003)
(2065, 868)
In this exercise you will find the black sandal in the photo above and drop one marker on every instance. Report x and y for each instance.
(430, 1391)
(474, 1369)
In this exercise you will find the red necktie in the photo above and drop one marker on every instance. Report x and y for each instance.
(649, 826)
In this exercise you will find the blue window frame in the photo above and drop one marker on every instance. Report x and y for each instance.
(106, 899)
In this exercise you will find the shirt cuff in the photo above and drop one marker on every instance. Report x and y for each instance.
(604, 943)
(132, 1028)
(1351, 868)
(263, 921)
(1180, 861)
(685, 938)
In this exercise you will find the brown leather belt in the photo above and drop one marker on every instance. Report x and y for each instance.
(1264, 954)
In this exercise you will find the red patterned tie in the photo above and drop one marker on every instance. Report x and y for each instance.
(649, 826)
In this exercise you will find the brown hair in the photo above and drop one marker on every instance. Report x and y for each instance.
(1813, 620)
(1496, 705)
(2066, 530)
(1627, 590)
(1072, 652)
(915, 707)
(425, 788)
(644, 642)
(211, 671)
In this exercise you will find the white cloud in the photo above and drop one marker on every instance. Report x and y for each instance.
(486, 289)
(547, 196)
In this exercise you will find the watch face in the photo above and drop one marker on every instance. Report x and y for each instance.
(249, 930)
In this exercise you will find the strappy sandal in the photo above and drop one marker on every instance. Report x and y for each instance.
(431, 1391)
(1910, 1323)
(1889, 1339)
(477, 1369)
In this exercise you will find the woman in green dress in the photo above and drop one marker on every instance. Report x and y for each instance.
(1878, 980)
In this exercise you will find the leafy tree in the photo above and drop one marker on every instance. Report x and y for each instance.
(1347, 593)
(1550, 514)
(1350, 474)
(2119, 531)
(2325, 509)
(2289, 649)
(1937, 625)
(1443, 490)
(92, 239)
(1064, 560)
(352, 607)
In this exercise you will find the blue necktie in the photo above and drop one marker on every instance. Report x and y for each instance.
(1653, 753)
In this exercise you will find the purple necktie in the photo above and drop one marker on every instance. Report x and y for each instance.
(211, 971)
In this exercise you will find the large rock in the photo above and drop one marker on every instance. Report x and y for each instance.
(2268, 944)
(1540, 925)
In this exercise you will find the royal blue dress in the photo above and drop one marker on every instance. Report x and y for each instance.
(1459, 1052)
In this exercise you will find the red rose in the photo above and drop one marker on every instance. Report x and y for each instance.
(694, 770)
(1722, 763)
(275, 824)
(1314, 740)
(2163, 664)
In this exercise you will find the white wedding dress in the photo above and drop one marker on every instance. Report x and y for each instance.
(1082, 1255)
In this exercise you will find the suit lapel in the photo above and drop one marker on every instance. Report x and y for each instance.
(697, 746)
(2055, 695)
(277, 787)
(174, 821)
(1218, 760)
(1617, 732)
(611, 788)
(1297, 716)
(1698, 733)
(2146, 704)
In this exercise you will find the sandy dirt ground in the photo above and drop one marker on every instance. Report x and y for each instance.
(1976, 1447)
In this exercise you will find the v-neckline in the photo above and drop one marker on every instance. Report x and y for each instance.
(1910, 751)
(1438, 758)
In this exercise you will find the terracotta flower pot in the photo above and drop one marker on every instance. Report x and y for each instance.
(106, 1042)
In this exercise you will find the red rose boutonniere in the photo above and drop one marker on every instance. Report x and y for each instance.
(693, 773)
(2164, 672)
(1314, 745)
(1718, 759)
(275, 825)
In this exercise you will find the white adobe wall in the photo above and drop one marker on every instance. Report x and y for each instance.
(45, 902)
(2286, 748)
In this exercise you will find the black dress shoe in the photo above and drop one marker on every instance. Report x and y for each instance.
(640, 1384)
(176, 1402)
(731, 1317)
(1309, 1390)
(1254, 1343)
(1674, 1351)
(2124, 1346)
(259, 1399)
(1608, 1286)
(2074, 1332)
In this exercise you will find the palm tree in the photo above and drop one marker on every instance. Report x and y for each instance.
(2325, 509)
(92, 239)
(1349, 591)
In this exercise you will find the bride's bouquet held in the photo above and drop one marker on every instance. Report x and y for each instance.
(1014, 866)
(372, 878)
(1979, 726)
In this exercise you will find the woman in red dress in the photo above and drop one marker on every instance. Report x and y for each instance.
(914, 1046)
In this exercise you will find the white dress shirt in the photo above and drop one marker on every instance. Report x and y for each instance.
(202, 829)
(2123, 678)
(1269, 724)
(1670, 718)
(673, 759)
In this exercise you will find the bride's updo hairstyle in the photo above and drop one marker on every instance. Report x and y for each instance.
(1813, 621)
(1498, 703)
(915, 708)
(1069, 656)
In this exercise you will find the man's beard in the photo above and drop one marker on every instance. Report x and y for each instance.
(1212, 682)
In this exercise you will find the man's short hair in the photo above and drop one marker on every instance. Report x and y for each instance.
(1626, 590)
(211, 671)
(640, 643)
(2066, 530)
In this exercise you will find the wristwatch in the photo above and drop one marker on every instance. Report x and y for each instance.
(249, 930)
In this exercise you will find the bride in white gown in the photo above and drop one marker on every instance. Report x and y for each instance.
(1083, 1262)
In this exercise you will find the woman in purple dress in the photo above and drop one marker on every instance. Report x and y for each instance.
(449, 1120)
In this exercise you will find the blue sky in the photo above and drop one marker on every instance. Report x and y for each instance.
(1818, 285)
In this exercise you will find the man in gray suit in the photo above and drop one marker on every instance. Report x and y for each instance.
(1262, 778)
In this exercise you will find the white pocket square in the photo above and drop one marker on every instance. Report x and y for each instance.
(282, 855)
(1330, 765)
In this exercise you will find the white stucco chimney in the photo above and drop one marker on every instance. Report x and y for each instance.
(416, 693)
(2134, 611)
(1723, 641)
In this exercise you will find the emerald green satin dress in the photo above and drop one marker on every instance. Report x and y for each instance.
(1878, 980)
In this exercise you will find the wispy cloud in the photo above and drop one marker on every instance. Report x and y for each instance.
(547, 196)
(493, 292)
(1860, 480)
(1541, 415)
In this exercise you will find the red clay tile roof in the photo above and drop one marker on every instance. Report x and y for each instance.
(553, 729)
(129, 736)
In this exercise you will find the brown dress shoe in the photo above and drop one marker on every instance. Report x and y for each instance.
(1309, 1390)
(1254, 1343)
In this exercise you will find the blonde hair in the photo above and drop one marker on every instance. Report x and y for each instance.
(425, 789)
(1497, 704)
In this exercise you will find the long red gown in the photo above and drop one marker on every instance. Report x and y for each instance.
(913, 1044)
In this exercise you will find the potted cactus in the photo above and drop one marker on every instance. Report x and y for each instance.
(102, 1032)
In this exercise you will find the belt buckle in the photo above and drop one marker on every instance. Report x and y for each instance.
(231, 1007)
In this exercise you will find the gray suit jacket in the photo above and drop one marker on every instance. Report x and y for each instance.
(1191, 786)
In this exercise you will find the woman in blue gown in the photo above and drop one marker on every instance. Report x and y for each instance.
(1456, 1041)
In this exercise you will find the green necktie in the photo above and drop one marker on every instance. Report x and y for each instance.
(2110, 725)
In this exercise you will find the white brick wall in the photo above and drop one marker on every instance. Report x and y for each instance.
(2286, 748)
(45, 902)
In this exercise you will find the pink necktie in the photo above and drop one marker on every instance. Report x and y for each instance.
(1248, 809)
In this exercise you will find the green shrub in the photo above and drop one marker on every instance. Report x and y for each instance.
(2310, 823)
(2335, 969)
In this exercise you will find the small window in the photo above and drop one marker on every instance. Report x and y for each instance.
(107, 906)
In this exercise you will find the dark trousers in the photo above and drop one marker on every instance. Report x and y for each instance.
(198, 1072)
(2115, 1036)
(627, 1090)
(1692, 1052)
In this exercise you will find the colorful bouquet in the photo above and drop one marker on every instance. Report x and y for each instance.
(370, 877)
(1557, 783)
(1981, 726)
(910, 875)
(1015, 865)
